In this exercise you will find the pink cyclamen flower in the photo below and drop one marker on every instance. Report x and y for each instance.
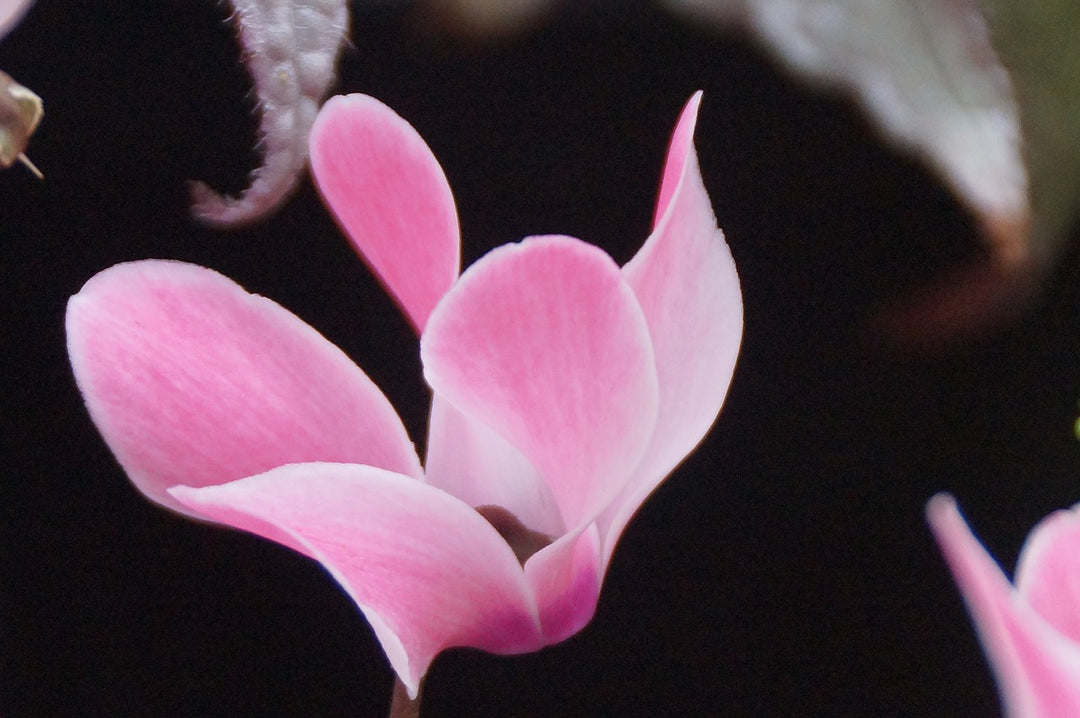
(565, 388)
(1030, 629)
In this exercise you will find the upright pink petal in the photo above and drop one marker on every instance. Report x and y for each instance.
(680, 151)
(1037, 667)
(472, 462)
(685, 279)
(427, 571)
(191, 380)
(544, 342)
(390, 197)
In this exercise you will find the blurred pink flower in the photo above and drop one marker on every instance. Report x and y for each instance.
(565, 388)
(1030, 629)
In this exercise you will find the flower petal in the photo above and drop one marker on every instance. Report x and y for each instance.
(428, 572)
(479, 467)
(191, 380)
(1037, 668)
(565, 578)
(390, 197)
(1048, 571)
(544, 342)
(685, 279)
(11, 12)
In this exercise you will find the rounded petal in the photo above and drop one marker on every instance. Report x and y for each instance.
(685, 279)
(545, 343)
(426, 570)
(390, 197)
(565, 579)
(479, 467)
(191, 380)
(1037, 668)
(1048, 571)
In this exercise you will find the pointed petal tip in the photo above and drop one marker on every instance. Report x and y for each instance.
(685, 280)
(678, 158)
(694, 103)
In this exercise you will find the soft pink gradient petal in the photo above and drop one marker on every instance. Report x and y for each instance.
(191, 380)
(478, 466)
(565, 578)
(1037, 668)
(680, 151)
(685, 279)
(1048, 571)
(544, 342)
(390, 197)
(428, 572)
(11, 13)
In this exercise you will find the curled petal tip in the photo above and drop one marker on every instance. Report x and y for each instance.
(685, 280)
(679, 151)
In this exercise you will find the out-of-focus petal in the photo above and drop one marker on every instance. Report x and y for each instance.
(11, 12)
(428, 572)
(544, 343)
(1037, 668)
(191, 380)
(685, 279)
(1048, 571)
(565, 578)
(390, 197)
(478, 466)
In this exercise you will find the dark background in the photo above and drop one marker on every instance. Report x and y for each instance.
(784, 570)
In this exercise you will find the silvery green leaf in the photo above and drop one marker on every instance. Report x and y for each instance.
(1039, 43)
(291, 49)
(928, 75)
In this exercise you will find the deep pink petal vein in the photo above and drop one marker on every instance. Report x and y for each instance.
(564, 390)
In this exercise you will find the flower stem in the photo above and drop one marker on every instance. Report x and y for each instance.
(402, 706)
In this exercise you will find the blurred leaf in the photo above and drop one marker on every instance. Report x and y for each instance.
(989, 97)
(1039, 43)
(927, 74)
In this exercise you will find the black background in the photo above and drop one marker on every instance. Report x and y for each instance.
(785, 569)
